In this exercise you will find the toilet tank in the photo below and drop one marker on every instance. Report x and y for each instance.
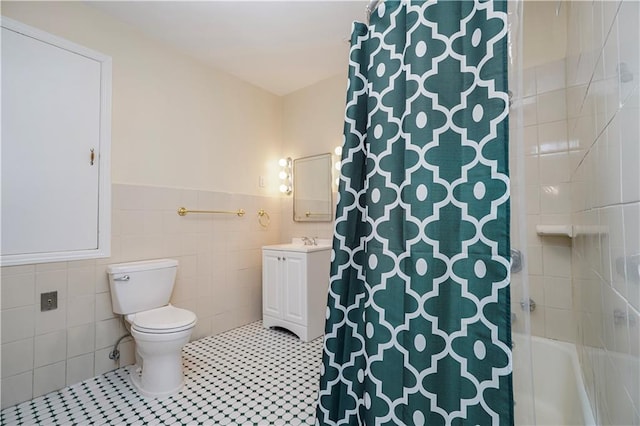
(140, 286)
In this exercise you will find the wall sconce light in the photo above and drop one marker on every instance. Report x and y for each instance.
(285, 175)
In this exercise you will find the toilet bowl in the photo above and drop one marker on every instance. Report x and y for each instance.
(140, 291)
(160, 335)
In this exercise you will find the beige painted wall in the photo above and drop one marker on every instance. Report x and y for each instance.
(176, 122)
(313, 121)
(314, 116)
(544, 32)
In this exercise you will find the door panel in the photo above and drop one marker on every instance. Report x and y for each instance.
(271, 277)
(51, 100)
(294, 271)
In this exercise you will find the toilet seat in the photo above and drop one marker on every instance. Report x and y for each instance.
(167, 319)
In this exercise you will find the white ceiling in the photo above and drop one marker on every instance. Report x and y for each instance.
(281, 46)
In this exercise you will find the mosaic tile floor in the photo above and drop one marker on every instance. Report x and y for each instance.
(250, 375)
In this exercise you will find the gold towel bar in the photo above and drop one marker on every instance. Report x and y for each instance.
(183, 211)
(307, 214)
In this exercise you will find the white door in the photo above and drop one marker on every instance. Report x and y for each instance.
(295, 287)
(271, 278)
(51, 120)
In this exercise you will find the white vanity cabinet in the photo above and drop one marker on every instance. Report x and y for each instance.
(295, 279)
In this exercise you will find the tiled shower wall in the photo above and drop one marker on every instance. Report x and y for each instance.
(547, 161)
(603, 102)
(219, 278)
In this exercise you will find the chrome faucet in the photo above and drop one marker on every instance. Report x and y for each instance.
(310, 241)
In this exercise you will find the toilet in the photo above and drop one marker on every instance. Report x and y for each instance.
(141, 292)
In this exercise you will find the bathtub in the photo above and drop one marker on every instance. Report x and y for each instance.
(559, 396)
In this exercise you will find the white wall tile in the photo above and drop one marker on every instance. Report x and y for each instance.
(128, 197)
(632, 383)
(628, 35)
(81, 281)
(616, 245)
(554, 168)
(152, 222)
(555, 199)
(557, 293)
(610, 56)
(17, 357)
(79, 368)
(552, 137)
(18, 290)
(16, 270)
(529, 111)
(17, 323)
(184, 289)
(108, 332)
(132, 222)
(559, 324)
(52, 266)
(556, 261)
(50, 348)
(631, 214)
(530, 137)
(575, 100)
(49, 378)
(80, 340)
(102, 279)
(535, 260)
(202, 329)
(104, 308)
(528, 82)
(611, 165)
(80, 310)
(16, 389)
(532, 170)
(630, 158)
(552, 106)
(532, 194)
(550, 77)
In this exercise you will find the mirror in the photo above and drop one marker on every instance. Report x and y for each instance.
(312, 201)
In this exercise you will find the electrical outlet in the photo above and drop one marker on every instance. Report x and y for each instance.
(48, 301)
(261, 181)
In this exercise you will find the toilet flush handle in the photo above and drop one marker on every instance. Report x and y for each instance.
(122, 278)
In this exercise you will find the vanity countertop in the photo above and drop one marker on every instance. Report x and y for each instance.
(297, 244)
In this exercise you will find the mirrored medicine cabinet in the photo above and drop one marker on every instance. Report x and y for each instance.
(312, 193)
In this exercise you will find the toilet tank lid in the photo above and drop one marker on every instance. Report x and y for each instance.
(144, 265)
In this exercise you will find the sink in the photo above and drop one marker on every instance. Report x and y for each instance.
(297, 244)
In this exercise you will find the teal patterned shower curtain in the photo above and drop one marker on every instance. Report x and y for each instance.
(418, 325)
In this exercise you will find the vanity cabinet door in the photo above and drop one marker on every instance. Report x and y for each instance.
(271, 286)
(294, 284)
(55, 144)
